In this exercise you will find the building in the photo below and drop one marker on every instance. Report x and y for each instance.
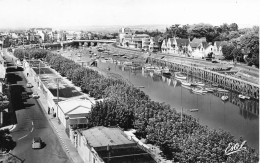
(154, 45)
(73, 112)
(218, 47)
(176, 46)
(102, 145)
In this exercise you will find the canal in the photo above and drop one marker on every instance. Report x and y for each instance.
(239, 117)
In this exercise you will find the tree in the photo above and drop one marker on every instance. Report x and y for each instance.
(233, 35)
(6, 141)
(227, 51)
(233, 27)
(250, 45)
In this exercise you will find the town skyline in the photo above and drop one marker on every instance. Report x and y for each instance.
(64, 14)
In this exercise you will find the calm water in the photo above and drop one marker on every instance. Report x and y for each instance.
(240, 118)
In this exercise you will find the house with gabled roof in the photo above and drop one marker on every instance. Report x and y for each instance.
(176, 46)
(218, 47)
(196, 42)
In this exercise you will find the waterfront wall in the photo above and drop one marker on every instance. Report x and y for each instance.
(226, 81)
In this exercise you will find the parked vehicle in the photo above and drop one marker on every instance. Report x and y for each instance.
(29, 85)
(35, 96)
(36, 143)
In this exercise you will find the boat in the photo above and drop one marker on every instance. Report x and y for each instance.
(167, 74)
(128, 63)
(224, 98)
(198, 84)
(194, 110)
(185, 83)
(199, 90)
(222, 90)
(140, 86)
(215, 85)
(157, 70)
(165, 70)
(178, 75)
(211, 90)
(185, 86)
(243, 97)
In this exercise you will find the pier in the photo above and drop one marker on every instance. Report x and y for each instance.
(224, 80)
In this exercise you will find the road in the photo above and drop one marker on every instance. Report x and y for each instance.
(31, 122)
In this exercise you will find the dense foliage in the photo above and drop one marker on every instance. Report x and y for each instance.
(30, 53)
(180, 137)
(6, 141)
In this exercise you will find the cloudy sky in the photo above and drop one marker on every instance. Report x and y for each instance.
(69, 13)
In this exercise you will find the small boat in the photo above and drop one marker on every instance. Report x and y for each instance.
(128, 63)
(215, 85)
(140, 86)
(187, 87)
(165, 70)
(211, 90)
(199, 90)
(194, 110)
(185, 83)
(167, 74)
(224, 98)
(222, 90)
(157, 70)
(198, 84)
(178, 75)
(243, 97)
(108, 68)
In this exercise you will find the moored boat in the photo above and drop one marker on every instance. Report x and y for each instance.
(215, 85)
(185, 86)
(167, 74)
(199, 90)
(243, 97)
(178, 75)
(185, 83)
(224, 98)
(211, 90)
(198, 84)
(222, 90)
(194, 110)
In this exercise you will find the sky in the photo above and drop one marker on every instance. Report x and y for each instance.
(75, 13)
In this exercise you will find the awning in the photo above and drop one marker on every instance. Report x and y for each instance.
(76, 121)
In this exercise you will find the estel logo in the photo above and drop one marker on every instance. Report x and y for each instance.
(235, 148)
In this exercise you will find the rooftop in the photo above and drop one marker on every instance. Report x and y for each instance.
(102, 136)
(75, 106)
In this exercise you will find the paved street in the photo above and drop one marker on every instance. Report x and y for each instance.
(31, 122)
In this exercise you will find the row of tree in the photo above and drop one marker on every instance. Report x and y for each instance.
(244, 48)
(180, 137)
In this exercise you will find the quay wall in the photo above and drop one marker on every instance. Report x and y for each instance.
(226, 81)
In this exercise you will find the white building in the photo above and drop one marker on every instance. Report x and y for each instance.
(74, 112)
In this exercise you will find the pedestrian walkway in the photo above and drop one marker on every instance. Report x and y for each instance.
(59, 129)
